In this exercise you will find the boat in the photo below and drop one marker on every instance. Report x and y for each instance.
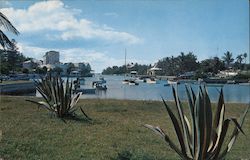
(152, 80)
(125, 81)
(173, 82)
(165, 85)
(129, 81)
(139, 79)
(102, 79)
(99, 85)
(231, 82)
(133, 83)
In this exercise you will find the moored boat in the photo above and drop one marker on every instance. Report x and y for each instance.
(125, 81)
(152, 81)
(133, 82)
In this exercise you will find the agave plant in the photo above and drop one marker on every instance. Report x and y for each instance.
(58, 98)
(202, 136)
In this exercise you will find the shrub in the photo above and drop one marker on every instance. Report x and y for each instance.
(58, 97)
(204, 136)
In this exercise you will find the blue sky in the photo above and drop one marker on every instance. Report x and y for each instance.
(99, 31)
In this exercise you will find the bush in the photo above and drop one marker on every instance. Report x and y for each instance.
(59, 97)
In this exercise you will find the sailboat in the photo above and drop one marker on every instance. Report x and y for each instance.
(128, 81)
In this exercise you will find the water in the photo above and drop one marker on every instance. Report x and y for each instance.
(117, 90)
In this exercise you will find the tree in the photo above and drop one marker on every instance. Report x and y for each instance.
(213, 65)
(4, 40)
(11, 60)
(57, 70)
(25, 70)
(238, 63)
(70, 68)
(228, 58)
(239, 58)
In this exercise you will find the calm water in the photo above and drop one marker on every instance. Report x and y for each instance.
(144, 91)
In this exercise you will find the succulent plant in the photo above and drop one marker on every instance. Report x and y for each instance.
(58, 96)
(203, 135)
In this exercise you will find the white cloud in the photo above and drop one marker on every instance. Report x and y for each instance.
(98, 60)
(55, 16)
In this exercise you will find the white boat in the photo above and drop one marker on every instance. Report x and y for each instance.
(139, 79)
(133, 83)
(133, 73)
(152, 81)
(125, 81)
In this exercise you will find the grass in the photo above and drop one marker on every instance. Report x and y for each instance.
(29, 133)
(15, 82)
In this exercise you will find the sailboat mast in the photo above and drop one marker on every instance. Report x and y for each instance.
(125, 62)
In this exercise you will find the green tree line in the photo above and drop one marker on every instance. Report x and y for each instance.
(177, 65)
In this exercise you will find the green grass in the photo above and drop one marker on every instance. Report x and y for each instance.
(29, 133)
(15, 82)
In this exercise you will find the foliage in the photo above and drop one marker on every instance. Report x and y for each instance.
(39, 70)
(25, 70)
(10, 61)
(70, 68)
(228, 58)
(203, 137)
(242, 75)
(213, 65)
(85, 69)
(175, 66)
(4, 40)
(57, 70)
(141, 69)
(59, 99)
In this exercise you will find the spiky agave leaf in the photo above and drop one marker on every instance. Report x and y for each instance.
(204, 138)
(160, 132)
(59, 97)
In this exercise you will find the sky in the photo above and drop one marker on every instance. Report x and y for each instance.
(99, 31)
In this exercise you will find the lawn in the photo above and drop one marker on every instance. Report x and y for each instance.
(16, 82)
(116, 131)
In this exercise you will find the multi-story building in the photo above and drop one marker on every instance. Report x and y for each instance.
(51, 57)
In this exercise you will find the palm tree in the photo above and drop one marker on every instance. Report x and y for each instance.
(4, 40)
(239, 58)
(228, 58)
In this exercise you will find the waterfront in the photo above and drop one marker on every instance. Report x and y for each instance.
(116, 90)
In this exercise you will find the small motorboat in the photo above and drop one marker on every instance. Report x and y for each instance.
(102, 79)
(133, 83)
(125, 81)
(100, 86)
(152, 80)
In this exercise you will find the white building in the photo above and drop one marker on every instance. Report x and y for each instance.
(51, 57)
(28, 64)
